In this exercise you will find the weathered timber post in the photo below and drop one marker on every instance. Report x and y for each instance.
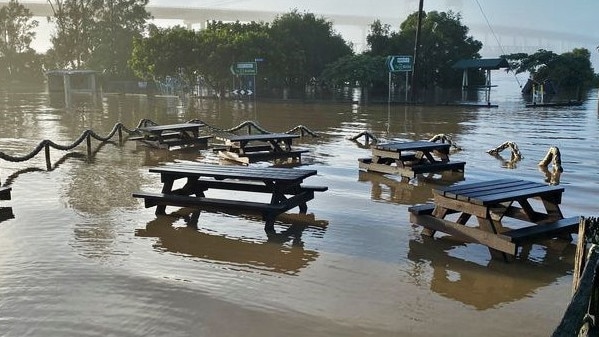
(553, 155)
(516, 155)
(47, 152)
(89, 145)
(581, 316)
(120, 131)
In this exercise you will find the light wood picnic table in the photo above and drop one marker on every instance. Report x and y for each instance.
(490, 202)
(254, 147)
(408, 159)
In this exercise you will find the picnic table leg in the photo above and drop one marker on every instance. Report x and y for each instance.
(193, 219)
(491, 226)
(166, 188)
(269, 219)
(303, 208)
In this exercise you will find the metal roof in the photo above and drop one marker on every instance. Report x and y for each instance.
(481, 64)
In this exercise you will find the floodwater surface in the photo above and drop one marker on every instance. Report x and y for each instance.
(80, 257)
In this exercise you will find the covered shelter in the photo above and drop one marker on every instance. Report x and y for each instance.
(68, 81)
(480, 64)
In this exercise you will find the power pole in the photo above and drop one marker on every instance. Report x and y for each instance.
(416, 51)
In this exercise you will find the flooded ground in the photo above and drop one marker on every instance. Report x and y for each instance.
(80, 257)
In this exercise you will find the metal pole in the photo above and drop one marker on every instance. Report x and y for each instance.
(416, 50)
(389, 89)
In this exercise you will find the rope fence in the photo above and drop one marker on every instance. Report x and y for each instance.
(119, 129)
(86, 136)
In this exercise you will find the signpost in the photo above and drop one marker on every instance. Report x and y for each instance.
(399, 63)
(245, 69)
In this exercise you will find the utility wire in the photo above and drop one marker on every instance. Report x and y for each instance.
(497, 40)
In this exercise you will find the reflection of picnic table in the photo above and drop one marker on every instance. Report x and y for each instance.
(282, 187)
(255, 147)
(172, 135)
(384, 187)
(490, 202)
(489, 285)
(273, 255)
(408, 159)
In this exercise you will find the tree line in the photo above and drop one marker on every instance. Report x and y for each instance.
(296, 51)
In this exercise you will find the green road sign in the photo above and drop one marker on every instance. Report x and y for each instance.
(244, 68)
(399, 63)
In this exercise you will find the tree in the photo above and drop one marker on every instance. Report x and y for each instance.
(118, 24)
(166, 52)
(570, 70)
(443, 41)
(306, 45)
(16, 34)
(223, 44)
(96, 33)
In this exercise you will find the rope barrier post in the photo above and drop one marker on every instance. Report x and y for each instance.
(47, 151)
(89, 145)
(120, 130)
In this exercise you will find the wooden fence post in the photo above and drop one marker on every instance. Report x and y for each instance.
(89, 145)
(47, 151)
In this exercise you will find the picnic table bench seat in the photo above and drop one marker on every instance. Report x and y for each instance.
(548, 230)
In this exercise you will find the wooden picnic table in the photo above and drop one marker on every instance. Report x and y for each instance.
(283, 185)
(254, 147)
(169, 135)
(408, 159)
(490, 202)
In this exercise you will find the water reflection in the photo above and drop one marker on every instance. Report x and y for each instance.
(282, 252)
(487, 286)
(404, 190)
(551, 177)
(511, 163)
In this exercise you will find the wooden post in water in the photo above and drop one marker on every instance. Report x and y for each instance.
(120, 131)
(89, 145)
(47, 151)
(580, 318)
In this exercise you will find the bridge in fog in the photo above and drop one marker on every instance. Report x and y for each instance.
(511, 39)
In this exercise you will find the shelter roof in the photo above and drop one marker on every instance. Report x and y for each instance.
(481, 64)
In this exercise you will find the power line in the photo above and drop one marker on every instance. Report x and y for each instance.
(496, 39)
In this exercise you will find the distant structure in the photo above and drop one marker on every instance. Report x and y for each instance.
(483, 64)
(69, 82)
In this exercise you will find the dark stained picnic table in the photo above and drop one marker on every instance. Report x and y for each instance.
(167, 135)
(490, 202)
(284, 185)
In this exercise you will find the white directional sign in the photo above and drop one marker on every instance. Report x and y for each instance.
(399, 63)
(244, 68)
(242, 92)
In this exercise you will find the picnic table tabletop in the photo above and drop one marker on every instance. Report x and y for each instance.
(236, 172)
(419, 145)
